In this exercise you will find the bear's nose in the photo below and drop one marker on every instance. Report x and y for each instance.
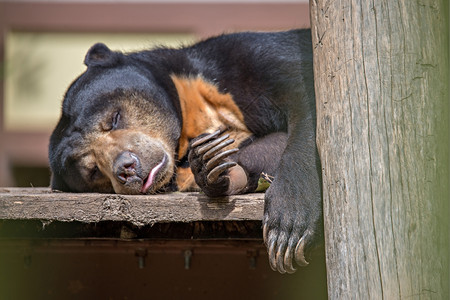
(126, 167)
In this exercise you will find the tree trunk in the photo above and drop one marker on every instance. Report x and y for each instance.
(381, 79)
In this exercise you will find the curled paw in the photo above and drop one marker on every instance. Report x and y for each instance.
(208, 161)
(286, 247)
(289, 233)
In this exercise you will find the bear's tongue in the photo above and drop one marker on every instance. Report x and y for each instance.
(152, 175)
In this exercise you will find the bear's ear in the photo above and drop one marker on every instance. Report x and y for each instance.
(101, 55)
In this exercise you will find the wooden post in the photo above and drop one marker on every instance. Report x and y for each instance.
(381, 79)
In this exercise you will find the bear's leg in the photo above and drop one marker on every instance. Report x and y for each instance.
(292, 222)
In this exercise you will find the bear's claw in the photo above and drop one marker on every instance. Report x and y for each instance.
(215, 173)
(208, 161)
(197, 142)
(283, 249)
(216, 160)
(300, 250)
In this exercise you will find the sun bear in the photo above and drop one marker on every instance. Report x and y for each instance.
(212, 116)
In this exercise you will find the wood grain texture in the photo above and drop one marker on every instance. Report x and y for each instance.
(42, 204)
(381, 76)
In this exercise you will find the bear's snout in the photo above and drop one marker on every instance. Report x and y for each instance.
(135, 164)
(127, 168)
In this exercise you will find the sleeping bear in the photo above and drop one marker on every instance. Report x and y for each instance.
(213, 117)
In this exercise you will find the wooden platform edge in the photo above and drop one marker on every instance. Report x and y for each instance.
(43, 204)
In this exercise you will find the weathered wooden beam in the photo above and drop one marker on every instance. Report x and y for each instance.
(381, 80)
(42, 204)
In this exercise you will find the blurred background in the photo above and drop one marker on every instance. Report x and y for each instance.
(42, 48)
(43, 43)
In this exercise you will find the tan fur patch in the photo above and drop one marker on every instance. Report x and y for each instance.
(205, 109)
(185, 180)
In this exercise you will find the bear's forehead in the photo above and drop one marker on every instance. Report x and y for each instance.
(91, 86)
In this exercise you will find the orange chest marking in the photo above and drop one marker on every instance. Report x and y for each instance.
(204, 109)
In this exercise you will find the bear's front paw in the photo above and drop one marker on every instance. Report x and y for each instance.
(208, 162)
(290, 229)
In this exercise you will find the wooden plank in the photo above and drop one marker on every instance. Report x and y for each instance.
(42, 204)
